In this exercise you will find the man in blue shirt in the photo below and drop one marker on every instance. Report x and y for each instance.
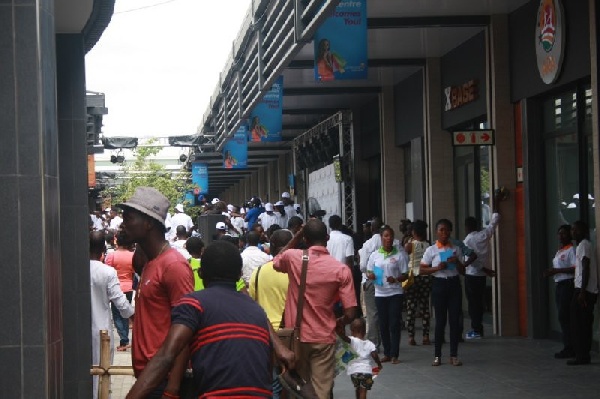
(254, 212)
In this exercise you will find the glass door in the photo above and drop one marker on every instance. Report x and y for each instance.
(567, 133)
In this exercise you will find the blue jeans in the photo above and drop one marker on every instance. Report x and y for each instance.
(121, 323)
(446, 295)
(389, 309)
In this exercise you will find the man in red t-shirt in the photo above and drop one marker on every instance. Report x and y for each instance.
(327, 282)
(165, 278)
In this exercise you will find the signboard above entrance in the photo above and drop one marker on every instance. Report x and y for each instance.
(549, 39)
(473, 137)
(457, 96)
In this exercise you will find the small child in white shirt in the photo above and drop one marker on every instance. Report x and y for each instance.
(360, 369)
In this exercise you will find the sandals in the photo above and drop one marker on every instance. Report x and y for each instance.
(395, 360)
(426, 340)
(411, 341)
(385, 359)
(436, 361)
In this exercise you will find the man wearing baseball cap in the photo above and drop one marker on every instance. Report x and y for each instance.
(165, 278)
(288, 202)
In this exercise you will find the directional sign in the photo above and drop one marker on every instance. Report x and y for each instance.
(473, 137)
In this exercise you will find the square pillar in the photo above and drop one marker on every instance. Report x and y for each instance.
(439, 154)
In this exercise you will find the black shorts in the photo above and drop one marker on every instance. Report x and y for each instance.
(361, 380)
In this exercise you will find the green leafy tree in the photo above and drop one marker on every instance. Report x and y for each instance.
(144, 171)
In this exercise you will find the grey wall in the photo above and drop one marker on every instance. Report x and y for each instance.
(74, 208)
(408, 107)
(370, 129)
(462, 64)
(31, 340)
(525, 78)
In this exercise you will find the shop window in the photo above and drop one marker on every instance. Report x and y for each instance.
(567, 133)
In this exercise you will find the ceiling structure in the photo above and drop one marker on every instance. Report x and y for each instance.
(402, 34)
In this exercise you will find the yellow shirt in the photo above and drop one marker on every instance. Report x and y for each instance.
(273, 287)
(199, 284)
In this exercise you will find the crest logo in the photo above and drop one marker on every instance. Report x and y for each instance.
(549, 39)
(547, 24)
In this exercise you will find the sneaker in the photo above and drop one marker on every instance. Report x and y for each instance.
(473, 335)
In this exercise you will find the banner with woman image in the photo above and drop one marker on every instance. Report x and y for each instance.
(341, 44)
(235, 150)
(199, 178)
(266, 119)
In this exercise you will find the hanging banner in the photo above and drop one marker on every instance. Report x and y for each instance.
(200, 178)
(235, 150)
(341, 44)
(266, 118)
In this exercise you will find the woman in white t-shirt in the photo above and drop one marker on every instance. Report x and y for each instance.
(388, 267)
(563, 272)
(443, 261)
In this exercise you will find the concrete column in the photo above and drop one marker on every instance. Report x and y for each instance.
(504, 169)
(283, 171)
(31, 340)
(272, 186)
(594, 46)
(392, 163)
(74, 203)
(439, 158)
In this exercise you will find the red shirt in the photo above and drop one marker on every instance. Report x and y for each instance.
(327, 281)
(164, 281)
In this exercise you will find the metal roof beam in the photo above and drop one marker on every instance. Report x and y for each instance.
(448, 21)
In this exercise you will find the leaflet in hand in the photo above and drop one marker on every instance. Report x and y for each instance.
(444, 256)
(378, 272)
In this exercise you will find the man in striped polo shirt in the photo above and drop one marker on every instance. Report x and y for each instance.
(228, 334)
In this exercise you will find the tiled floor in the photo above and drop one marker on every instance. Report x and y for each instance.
(493, 368)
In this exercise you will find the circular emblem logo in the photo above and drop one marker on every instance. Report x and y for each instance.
(549, 39)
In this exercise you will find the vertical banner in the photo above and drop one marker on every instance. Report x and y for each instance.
(200, 178)
(235, 150)
(266, 118)
(91, 162)
(341, 43)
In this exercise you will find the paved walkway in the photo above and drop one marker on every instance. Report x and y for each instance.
(493, 368)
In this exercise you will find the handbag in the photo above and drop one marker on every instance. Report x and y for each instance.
(293, 383)
(406, 284)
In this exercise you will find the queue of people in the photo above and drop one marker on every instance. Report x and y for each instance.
(196, 304)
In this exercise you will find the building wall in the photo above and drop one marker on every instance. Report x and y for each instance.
(31, 340)
(525, 79)
(74, 208)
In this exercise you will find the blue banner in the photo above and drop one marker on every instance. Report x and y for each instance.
(266, 118)
(235, 150)
(341, 43)
(200, 178)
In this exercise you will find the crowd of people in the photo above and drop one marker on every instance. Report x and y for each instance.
(207, 316)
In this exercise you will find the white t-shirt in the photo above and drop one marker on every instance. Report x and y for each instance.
(267, 220)
(115, 223)
(432, 258)
(340, 245)
(479, 241)
(238, 223)
(564, 258)
(585, 250)
(363, 349)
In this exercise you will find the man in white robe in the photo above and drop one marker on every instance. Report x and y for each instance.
(105, 288)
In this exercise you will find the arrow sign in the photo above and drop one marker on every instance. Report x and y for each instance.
(473, 137)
